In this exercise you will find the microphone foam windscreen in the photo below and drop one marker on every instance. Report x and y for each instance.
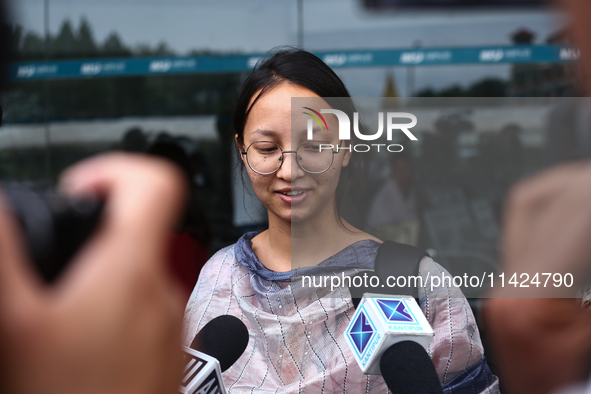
(408, 369)
(225, 338)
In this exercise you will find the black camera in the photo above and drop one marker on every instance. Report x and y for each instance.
(54, 226)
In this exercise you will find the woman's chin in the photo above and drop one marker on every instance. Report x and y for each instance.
(299, 216)
(294, 217)
(297, 219)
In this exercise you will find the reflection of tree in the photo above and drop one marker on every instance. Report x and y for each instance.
(85, 44)
(114, 47)
(161, 49)
(71, 42)
(32, 45)
(487, 87)
(173, 95)
(65, 42)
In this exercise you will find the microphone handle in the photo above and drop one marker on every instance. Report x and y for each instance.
(408, 369)
(202, 374)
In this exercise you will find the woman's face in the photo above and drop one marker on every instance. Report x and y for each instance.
(291, 194)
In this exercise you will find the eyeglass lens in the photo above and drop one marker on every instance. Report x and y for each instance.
(265, 157)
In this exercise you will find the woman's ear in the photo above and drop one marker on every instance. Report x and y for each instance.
(347, 155)
(240, 147)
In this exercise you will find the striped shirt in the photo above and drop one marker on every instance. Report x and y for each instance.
(296, 340)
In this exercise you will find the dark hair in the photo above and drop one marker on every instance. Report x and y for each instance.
(289, 65)
(299, 67)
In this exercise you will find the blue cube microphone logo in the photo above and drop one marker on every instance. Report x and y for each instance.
(395, 311)
(361, 332)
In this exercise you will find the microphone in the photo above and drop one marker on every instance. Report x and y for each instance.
(392, 260)
(215, 349)
(408, 369)
(389, 335)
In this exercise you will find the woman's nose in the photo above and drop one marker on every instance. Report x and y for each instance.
(290, 170)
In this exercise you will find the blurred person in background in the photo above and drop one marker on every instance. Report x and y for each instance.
(543, 345)
(394, 213)
(190, 238)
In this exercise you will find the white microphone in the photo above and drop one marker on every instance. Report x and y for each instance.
(202, 374)
(379, 322)
(215, 348)
(389, 335)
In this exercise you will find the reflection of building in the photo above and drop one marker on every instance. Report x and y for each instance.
(541, 79)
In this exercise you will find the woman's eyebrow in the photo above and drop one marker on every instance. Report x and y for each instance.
(265, 132)
(315, 129)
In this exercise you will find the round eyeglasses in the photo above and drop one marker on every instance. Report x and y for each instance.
(266, 157)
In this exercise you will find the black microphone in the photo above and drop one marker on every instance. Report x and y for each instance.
(215, 349)
(225, 338)
(408, 369)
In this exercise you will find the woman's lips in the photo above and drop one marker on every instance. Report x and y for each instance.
(293, 199)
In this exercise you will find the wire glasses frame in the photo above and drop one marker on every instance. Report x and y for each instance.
(310, 154)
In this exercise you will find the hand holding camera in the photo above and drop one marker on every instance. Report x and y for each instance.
(115, 312)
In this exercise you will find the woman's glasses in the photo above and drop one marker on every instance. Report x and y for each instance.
(266, 157)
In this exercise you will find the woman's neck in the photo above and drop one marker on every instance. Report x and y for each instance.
(286, 245)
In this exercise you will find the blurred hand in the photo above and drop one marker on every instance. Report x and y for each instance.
(547, 227)
(543, 344)
(111, 324)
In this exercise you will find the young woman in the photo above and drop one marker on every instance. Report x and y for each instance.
(296, 332)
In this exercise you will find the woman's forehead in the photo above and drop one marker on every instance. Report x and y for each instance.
(287, 107)
(281, 97)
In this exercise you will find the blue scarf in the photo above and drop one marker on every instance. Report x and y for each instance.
(360, 255)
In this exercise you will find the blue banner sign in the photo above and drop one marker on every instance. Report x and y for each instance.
(125, 67)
